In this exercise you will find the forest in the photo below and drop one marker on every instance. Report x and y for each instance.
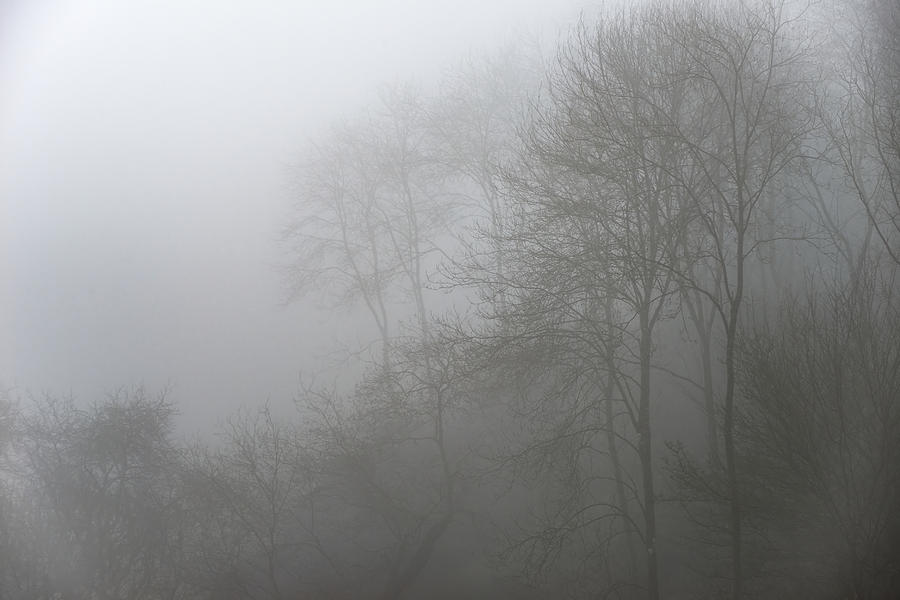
(637, 335)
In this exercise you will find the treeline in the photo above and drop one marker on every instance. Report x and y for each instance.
(637, 326)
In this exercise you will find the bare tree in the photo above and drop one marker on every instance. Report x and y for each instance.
(406, 217)
(747, 79)
(370, 213)
(817, 429)
(338, 242)
(596, 216)
(862, 112)
(474, 122)
(103, 481)
(390, 459)
(267, 488)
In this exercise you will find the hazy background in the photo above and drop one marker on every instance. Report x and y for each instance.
(144, 159)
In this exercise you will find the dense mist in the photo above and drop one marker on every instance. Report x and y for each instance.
(146, 178)
(473, 300)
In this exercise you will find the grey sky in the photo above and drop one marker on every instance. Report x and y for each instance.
(143, 178)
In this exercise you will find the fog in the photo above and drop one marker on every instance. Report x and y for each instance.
(145, 178)
(483, 299)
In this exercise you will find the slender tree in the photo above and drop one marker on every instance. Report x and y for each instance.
(596, 217)
(861, 110)
(747, 80)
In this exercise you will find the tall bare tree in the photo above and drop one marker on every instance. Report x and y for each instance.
(338, 241)
(102, 481)
(748, 81)
(817, 429)
(597, 213)
(862, 111)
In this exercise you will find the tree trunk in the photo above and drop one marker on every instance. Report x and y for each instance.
(645, 450)
(709, 398)
(406, 576)
(731, 463)
(731, 329)
(618, 472)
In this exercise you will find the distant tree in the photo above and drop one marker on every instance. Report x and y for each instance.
(370, 214)
(102, 490)
(473, 122)
(862, 111)
(259, 492)
(338, 241)
(391, 458)
(816, 434)
(595, 217)
(747, 81)
(377, 228)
